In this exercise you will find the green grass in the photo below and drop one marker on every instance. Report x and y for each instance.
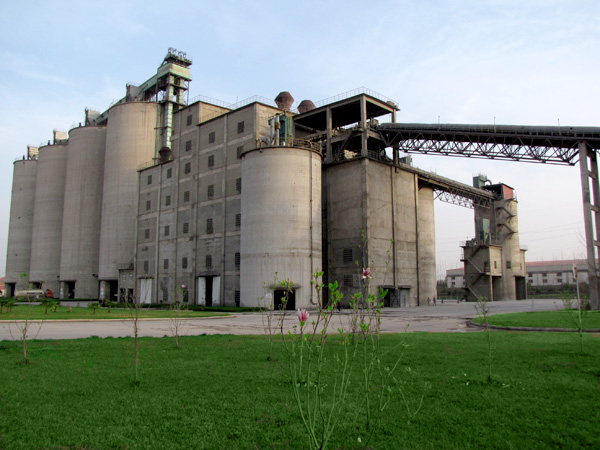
(565, 318)
(37, 312)
(221, 392)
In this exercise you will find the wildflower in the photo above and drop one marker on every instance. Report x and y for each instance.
(184, 287)
(302, 316)
(366, 273)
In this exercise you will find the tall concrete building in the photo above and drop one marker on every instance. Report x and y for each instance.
(494, 260)
(163, 198)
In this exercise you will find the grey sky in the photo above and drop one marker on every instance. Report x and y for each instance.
(515, 62)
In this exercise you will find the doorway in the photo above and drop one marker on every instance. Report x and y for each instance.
(279, 295)
(209, 291)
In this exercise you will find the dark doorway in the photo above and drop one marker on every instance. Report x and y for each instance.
(10, 289)
(521, 288)
(209, 291)
(278, 299)
(113, 291)
(69, 289)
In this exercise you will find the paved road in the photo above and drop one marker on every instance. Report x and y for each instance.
(448, 317)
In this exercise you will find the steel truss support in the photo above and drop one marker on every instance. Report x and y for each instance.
(590, 190)
(460, 198)
(518, 150)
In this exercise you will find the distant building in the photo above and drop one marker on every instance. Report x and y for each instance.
(455, 278)
(555, 273)
(2, 286)
(539, 273)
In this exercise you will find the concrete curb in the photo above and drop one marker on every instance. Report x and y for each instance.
(470, 323)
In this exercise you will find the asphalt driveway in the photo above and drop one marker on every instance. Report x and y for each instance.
(444, 318)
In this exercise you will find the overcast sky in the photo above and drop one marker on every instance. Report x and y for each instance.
(530, 62)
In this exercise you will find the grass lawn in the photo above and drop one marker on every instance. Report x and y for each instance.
(564, 318)
(222, 392)
(38, 312)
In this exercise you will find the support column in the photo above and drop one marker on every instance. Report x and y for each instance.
(591, 216)
(363, 126)
(329, 152)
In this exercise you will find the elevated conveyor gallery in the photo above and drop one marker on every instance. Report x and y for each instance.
(542, 144)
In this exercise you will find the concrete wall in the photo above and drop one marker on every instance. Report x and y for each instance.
(130, 141)
(48, 217)
(18, 255)
(83, 205)
(373, 214)
(281, 229)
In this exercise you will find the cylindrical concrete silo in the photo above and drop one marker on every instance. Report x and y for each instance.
(507, 222)
(426, 239)
(47, 217)
(281, 224)
(81, 216)
(20, 228)
(130, 141)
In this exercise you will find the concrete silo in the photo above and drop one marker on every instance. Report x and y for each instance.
(281, 228)
(130, 141)
(21, 224)
(425, 233)
(81, 216)
(47, 217)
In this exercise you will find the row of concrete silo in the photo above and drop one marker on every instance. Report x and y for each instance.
(73, 209)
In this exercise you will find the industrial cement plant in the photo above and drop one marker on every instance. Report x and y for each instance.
(162, 197)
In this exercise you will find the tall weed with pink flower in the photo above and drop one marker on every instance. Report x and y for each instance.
(322, 399)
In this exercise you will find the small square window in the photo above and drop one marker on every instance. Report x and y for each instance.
(241, 127)
(349, 280)
(238, 220)
(238, 185)
(188, 168)
(184, 262)
(211, 191)
(186, 196)
(239, 151)
(167, 230)
(146, 266)
(348, 255)
(208, 261)
(188, 120)
(508, 264)
(167, 200)
(186, 227)
(211, 137)
(147, 233)
(169, 172)
(188, 146)
(209, 226)
(148, 205)
(149, 179)
(166, 264)
(211, 160)
(237, 260)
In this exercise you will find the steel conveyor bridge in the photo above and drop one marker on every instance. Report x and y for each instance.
(538, 144)
(555, 145)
